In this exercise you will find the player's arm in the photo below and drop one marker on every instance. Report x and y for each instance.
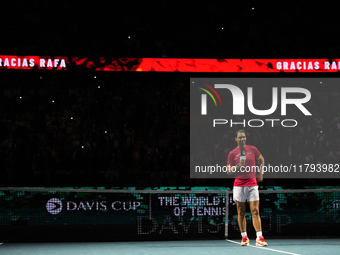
(232, 167)
(260, 163)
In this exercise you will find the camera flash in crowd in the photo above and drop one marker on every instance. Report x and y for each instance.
(40, 78)
(320, 82)
(98, 87)
(129, 37)
(52, 101)
(222, 28)
(71, 118)
(82, 146)
(252, 8)
(20, 97)
(95, 77)
(105, 132)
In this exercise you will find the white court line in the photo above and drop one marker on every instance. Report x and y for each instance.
(261, 247)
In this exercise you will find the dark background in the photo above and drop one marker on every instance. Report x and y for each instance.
(170, 29)
(145, 114)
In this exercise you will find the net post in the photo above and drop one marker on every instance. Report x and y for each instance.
(226, 214)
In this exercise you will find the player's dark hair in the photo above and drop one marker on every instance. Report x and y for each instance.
(240, 131)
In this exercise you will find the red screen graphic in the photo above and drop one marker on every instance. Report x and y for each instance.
(170, 64)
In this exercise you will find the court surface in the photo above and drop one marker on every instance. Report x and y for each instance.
(276, 246)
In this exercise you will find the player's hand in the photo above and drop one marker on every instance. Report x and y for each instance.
(229, 171)
(259, 179)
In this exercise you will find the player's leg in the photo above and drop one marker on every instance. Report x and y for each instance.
(241, 212)
(238, 194)
(242, 223)
(255, 212)
(254, 204)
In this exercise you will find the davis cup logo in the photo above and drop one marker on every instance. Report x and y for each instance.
(54, 206)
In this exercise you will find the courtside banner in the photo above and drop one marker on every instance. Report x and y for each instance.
(169, 64)
(291, 123)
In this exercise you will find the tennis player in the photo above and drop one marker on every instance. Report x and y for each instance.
(241, 161)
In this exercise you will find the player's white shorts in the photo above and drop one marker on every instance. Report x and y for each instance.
(248, 193)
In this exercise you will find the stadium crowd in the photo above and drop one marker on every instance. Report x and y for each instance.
(117, 130)
(120, 130)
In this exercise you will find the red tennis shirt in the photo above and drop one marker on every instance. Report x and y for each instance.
(245, 178)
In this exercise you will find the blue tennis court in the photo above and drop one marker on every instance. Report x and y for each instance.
(276, 246)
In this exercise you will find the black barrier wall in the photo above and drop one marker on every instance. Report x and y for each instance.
(93, 215)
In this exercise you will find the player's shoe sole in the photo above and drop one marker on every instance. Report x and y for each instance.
(245, 243)
(259, 243)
